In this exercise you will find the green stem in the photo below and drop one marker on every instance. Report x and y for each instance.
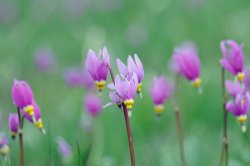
(20, 135)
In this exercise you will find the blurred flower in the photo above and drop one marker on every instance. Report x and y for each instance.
(76, 77)
(13, 124)
(126, 89)
(187, 63)
(233, 58)
(160, 92)
(234, 88)
(64, 149)
(22, 96)
(98, 68)
(4, 147)
(8, 12)
(246, 80)
(93, 104)
(239, 108)
(44, 59)
(133, 67)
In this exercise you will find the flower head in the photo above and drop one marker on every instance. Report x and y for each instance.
(93, 104)
(134, 66)
(44, 59)
(234, 88)
(126, 89)
(13, 124)
(239, 108)
(246, 80)
(98, 68)
(187, 63)
(22, 96)
(4, 147)
(161, 90)
(233, 58)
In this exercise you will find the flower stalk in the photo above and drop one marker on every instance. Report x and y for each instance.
(20, 136)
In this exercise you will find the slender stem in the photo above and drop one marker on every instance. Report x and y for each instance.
(131, 148)
(112, 75)
(20, 135)
(224, 150)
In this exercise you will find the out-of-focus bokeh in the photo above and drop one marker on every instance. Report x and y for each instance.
(42, 40)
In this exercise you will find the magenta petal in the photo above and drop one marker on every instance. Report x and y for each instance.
(91, 62)
(234, 88)
(122, 67)
(13, 122)
(93, 104)
(131, 65)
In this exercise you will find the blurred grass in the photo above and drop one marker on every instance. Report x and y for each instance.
(150, 28)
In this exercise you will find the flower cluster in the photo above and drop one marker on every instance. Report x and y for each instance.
(23, 99)
(233, 62)
(4, 147)
(125, 85)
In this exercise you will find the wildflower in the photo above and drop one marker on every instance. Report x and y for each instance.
(4, 147)
(44, 59)
(98, 68)
(234, 88)
(22, 96)
(126, 89)
(161, 91)
(13, 124)
(187, 63)
(134, 66)
(246, 80)
(64, 149)
(93, 104)
(239, 108)
(233, 58)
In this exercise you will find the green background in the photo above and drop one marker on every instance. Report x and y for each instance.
(152, 29)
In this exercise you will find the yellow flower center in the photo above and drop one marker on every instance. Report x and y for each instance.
(242, 119)
(29, 110)
(4, 150)
(197, 83)
(129, 103)
(100, 84)
(159, 109)
(139, 87)
(240, 76)
(39, 124)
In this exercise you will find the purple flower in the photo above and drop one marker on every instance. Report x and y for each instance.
(44, 59)
(233, 58)
(64, 148)
(76, 77)
(13, 124)
(4, 147)
(161, 91)
(98, 68)
(246, 80)
(134, 66)
(22, 96)
(126, 89)
(93, 104)
(234, 88)
(239, 108)
(187, 63)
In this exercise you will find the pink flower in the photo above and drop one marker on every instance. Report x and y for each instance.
(44, 59)
(160, 92)
(233, 58)
(13, 124)
(4, 147)
(93, 104)
(187, 63)
(234, 88)
(98, 68)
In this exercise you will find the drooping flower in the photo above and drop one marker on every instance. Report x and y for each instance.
(246, 80)
(44, 59)
(239, 108)
(64, 149)
(161, 91)
(13, 124)
(126, 89)
(187, 63)
(134, 66)
(22, 96)
(4, 147)
(98, 68)
(234, 88)
(233, 58)
(93, 104)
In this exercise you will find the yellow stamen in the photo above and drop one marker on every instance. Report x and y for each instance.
(159, 109)
(129, 103)
(197, 83)
(4, 150)
(29, 110)
(139, 87)
(242, 119)
(39, 124)
(100, 84)
(13, 134)
(240, 76)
